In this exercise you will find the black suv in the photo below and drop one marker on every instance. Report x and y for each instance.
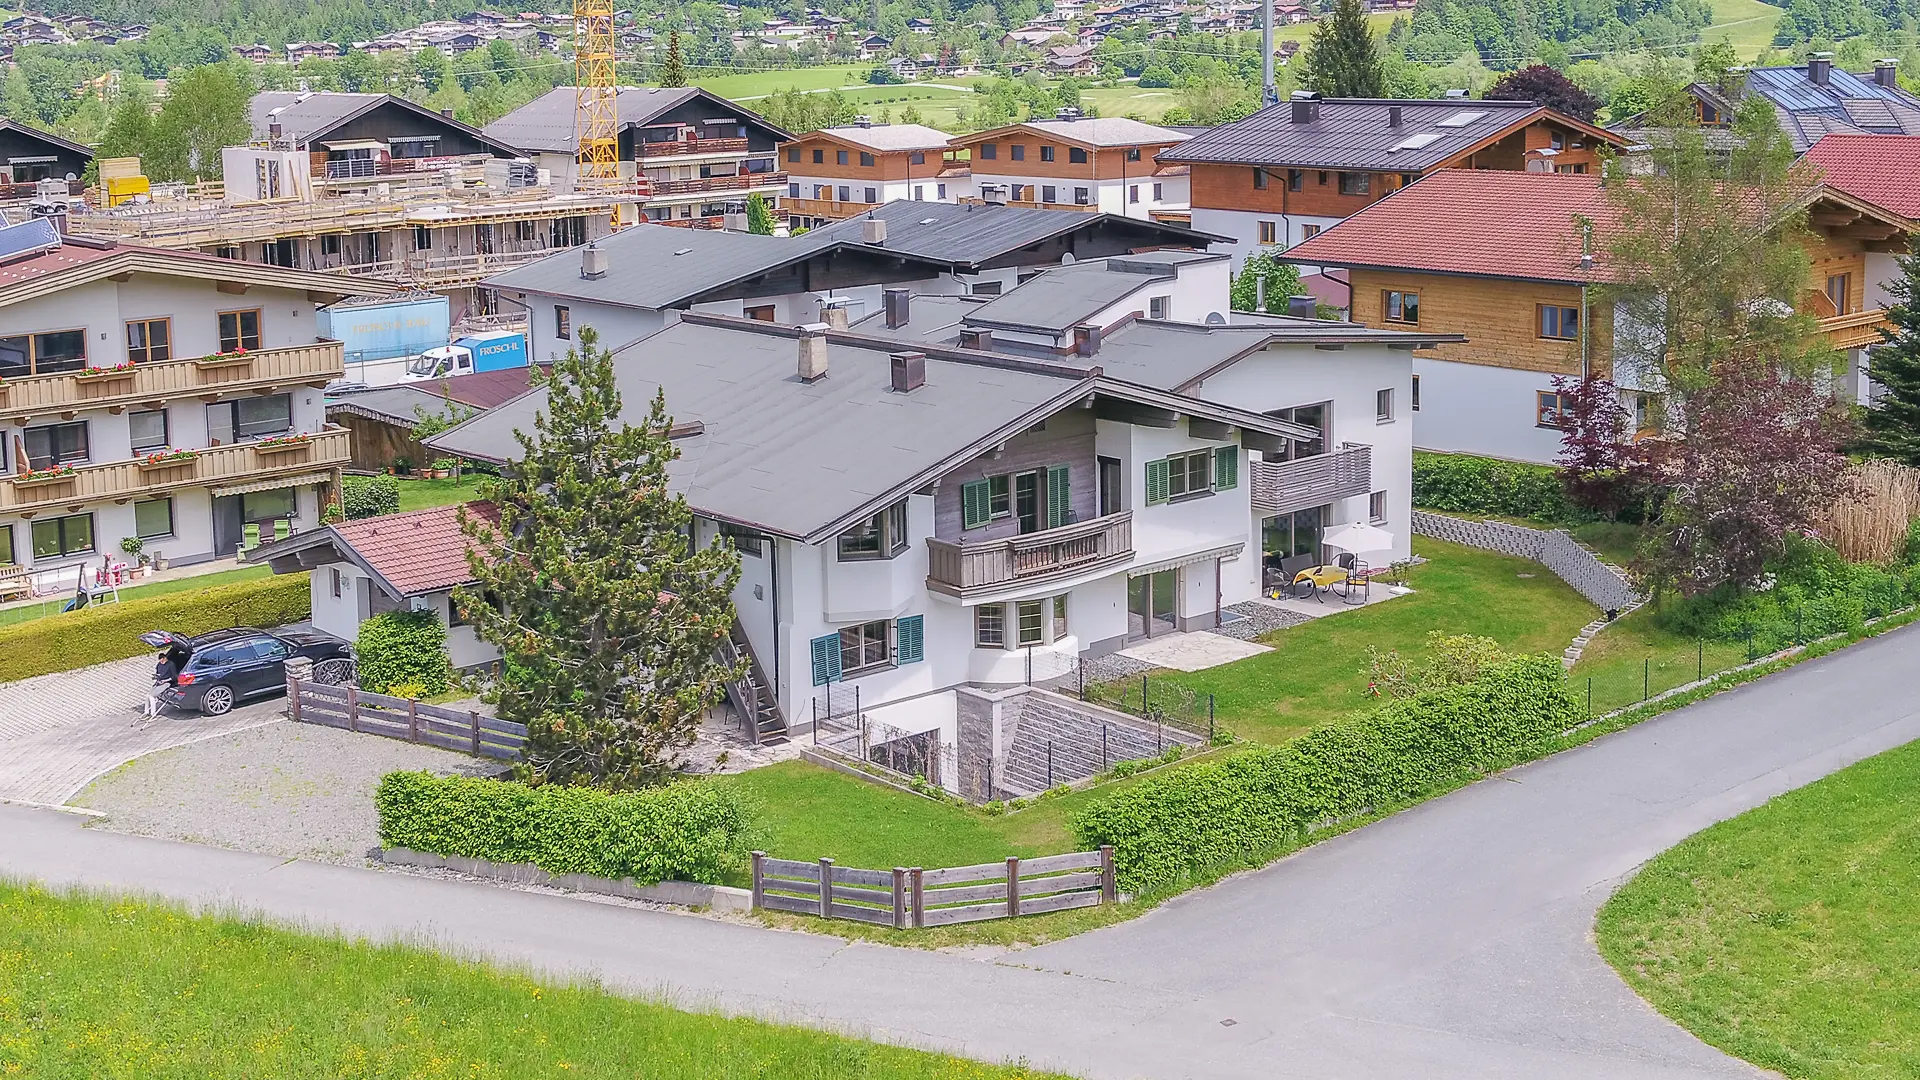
(219, 669)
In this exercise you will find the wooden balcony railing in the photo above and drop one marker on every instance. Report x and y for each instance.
(421, 268)
(324, 449)
(1861, 328)
(961, 569)
(682, 147)
(33, 395)
(1281, 487)
(824, 208)
(741, 182)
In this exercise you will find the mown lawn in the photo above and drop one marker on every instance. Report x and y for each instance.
(1635, 658)
(118, 988)
(1317, 672)
(422, 494)
(51, 605)
(1790, 935)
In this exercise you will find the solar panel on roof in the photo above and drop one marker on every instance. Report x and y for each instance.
(1461, 119)
(29, 237)
(1416, 142)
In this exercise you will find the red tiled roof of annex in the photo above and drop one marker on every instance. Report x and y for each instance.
(420, 551)
(484, 389)
(1492, 223)
(1882, 169)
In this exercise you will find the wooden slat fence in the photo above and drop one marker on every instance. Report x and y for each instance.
(360, 710)
(911, 897)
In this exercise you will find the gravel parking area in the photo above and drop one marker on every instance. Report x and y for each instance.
(297, 790)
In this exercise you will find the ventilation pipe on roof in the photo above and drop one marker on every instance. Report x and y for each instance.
(593, 262)
(448, 113)
(1393, 116)
(896, 301)
(813, 352)
(909, 371)
(1306, 106)
(1820, 68)
(1457, 94)
(976, 339)
(1086, 339)
(1886, 72)
(1302, 307)
(873, 230)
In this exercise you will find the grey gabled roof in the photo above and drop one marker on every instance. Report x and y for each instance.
(974, 234)
(804, 459)
(888, 137)
(1059, 299)
(306, 116)
(1846, 103)
(48, 137)
(389, 404)
(1356, 133)
(657, 266)
(546, 122)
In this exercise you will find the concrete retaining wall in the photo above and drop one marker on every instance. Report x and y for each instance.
(681, 893)
(1551, 548)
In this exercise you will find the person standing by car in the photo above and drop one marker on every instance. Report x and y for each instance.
(164, 673)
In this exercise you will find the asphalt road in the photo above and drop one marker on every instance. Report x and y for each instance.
(1449, 942)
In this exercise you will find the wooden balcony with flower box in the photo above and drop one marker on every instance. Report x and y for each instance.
(665, 189)
(123, 385)
(290, 456)
(971, 568)
(1844, 329)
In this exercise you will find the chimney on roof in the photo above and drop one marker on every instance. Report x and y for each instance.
(1302, 307)
(863, 121)
(1457, 94)
(1886, 72)
(273, 128)
(909, 371)
(1820, 68)
(1393, 116)
(896, 301)
(593, 262)
(976, 339)
(813, 352)
(1086, 339)
(873, 230)
(833, 313)
(1306, 106)
(448, 113)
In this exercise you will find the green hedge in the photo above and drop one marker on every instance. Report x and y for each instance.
(95, 635)
(408, 649)
(1464, 484)
(370, 496)
(1213, 815)
(692, 830)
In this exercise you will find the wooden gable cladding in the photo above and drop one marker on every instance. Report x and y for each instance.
(1231, 187)
(1500, 318)
(887, 164)
(1103, 164)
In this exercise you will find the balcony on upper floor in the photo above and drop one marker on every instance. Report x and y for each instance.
(23, 396)
(1281, 487)
(650, 151)
(664, 189)
(293, 455)
(970, 568)
(1844, 329)
(836, 209)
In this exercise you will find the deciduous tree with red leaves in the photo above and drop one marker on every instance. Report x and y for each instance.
(1543, 85)
(1593, 444)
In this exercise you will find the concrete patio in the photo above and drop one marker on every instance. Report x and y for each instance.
(1325, 603)
(1193, 651)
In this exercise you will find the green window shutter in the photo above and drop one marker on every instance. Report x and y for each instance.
(1059, 495)
(909, 640)
(826, 659)
(974, 510)
(1226, 468)
(1157, 481)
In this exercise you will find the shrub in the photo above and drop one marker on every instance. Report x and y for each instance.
(1214, 815)
(1464, 484)
(370, 496)
(1812, 592)
(403, 648)
(96, 635)
(691, 830)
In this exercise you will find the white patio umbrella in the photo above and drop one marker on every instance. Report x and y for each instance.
(1358, 537)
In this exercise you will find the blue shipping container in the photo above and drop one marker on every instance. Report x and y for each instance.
(384, 329)
(496, 351)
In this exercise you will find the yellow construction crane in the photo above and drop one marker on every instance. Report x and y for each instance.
(596, 117)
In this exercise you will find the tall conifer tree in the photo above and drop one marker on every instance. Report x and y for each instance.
(1343, 59)
(1893, 420)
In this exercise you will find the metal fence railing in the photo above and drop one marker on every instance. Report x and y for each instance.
(1157, 700)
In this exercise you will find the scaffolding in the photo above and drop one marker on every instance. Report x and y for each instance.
(596, 117)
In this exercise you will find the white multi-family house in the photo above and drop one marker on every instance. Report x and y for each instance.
(837, 172)
(919, 520)
(167, 396)
(1105, 164)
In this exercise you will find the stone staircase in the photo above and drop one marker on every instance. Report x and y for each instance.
(1084, 740)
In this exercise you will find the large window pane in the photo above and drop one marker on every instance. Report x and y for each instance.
(153, 518)
(261, 416)
(239, 330)
(14, 353)
(6, 545)
(148, 430)
(264, 505)
(62, 350)
(57, 537)
(56, 444)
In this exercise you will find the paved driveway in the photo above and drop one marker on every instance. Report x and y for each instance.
(58, 732)
(1449, 942)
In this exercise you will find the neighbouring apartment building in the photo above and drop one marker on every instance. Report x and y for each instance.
(1292, 170)
(1496, 257)
(699, 155)
(373, 186)
(29, 156)
(165, 395)
(1813, 99)
(1105, 164)
(838, 172)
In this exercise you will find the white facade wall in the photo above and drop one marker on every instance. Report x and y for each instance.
(1881, 271)
(1288, 376)
(616, 324)
(1112, 195)
(102, 309)
(339, 615)
(800, 186)
(1244, 227)
(1196, 291)
(1475, 409)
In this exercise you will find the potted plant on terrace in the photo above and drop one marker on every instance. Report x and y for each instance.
(43, 476)
(274, 444)
(134, 546)
(167, 458)
(105, 371)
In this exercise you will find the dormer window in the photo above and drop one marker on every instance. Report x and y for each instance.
(881, 536)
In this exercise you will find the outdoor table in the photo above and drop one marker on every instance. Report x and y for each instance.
(1321, 577)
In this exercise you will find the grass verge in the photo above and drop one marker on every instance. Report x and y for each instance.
(94, 987)
(1789, 935)
(1636, 658)
(52, 605)
(424, 494)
